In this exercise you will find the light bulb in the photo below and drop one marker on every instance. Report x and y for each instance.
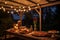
(3, 9)
(23, 7)
(7, 11)
(24, 10)
(0, 8)
(29, 8)
(37, 4)
(5, 2)
(12, 12)
(14, 9)
(19, 9)
(11, 6)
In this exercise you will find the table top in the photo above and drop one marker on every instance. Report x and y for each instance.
(25, 35)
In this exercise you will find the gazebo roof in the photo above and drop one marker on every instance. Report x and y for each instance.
(25, 3)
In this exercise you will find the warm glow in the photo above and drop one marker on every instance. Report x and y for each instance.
(0, 8)
(23, 7)
(7, 11)
(36, 7)
(29, 8)
(15, 9)
(4, 9)
(11, 6)
(12, 12)
(5, 2)
(24, 10)
(19, 9)
(37, 4)
(16, 26)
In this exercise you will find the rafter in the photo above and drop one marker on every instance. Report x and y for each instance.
(51, 4)
(25, 2)
(16, 2)
(32, 1)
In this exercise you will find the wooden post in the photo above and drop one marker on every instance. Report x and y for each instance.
(40, 20)
(39, 12)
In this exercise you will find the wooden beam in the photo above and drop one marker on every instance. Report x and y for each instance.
(16, 2)
(46, 5)
(40, 17)
(51, 4)
(31, 1)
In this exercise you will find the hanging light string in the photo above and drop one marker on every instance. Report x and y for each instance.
(23, 9)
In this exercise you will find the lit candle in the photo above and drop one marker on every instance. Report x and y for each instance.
(16, 26)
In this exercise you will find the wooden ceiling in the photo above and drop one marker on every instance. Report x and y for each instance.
(24, 3)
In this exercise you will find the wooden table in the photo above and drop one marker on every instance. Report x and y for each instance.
(26, 36)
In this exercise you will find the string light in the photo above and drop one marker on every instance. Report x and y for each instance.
(24, 10)
(15, 9)
(8, 12)
(0, 8)
(23, 7)
(19, 7)
(19, 10)
(11, 6)
(5, 2)
(38, 4)
(12, 12)
(4, 9)
(29, 8)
